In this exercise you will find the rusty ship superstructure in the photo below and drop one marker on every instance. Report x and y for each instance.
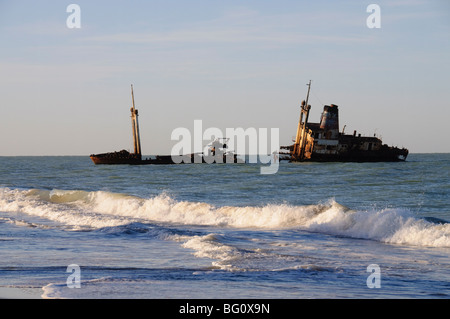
(323, 142)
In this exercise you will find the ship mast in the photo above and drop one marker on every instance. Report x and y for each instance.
(299, 146)
(135, 126)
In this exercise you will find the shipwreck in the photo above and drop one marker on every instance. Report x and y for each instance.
(217, 153)
(323, 142)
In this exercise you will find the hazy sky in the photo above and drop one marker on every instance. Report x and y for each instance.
(228, 63)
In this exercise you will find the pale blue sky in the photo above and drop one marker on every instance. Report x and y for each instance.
(229, 63)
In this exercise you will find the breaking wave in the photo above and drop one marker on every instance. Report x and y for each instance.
(82, 210)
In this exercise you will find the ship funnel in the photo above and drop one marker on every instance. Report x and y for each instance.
(330, 121)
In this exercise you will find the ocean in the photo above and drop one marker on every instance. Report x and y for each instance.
(71, 229)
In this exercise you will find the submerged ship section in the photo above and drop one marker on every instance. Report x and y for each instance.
(324, 142)
(217, 154)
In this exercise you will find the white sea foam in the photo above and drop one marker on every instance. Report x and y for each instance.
(62, 291)
(209, 246)
(228, 257)
(81, 209)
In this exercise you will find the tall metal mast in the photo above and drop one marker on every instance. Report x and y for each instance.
(135, 126)
(299, 146)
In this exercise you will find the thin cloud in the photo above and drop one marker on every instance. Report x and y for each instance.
(28, 73)
(242, 26)
(237, 36)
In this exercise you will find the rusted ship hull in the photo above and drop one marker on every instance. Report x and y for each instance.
(208, 159)
(360, 157)
(121, 157)
(124, 158)
(359, 149)
(390, 155)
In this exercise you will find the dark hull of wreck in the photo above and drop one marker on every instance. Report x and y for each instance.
(115, 158)
(389, 155)
(121, 158)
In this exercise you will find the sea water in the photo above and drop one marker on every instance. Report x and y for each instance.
(312, 230)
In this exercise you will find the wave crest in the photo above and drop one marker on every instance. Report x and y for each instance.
(77, 209)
